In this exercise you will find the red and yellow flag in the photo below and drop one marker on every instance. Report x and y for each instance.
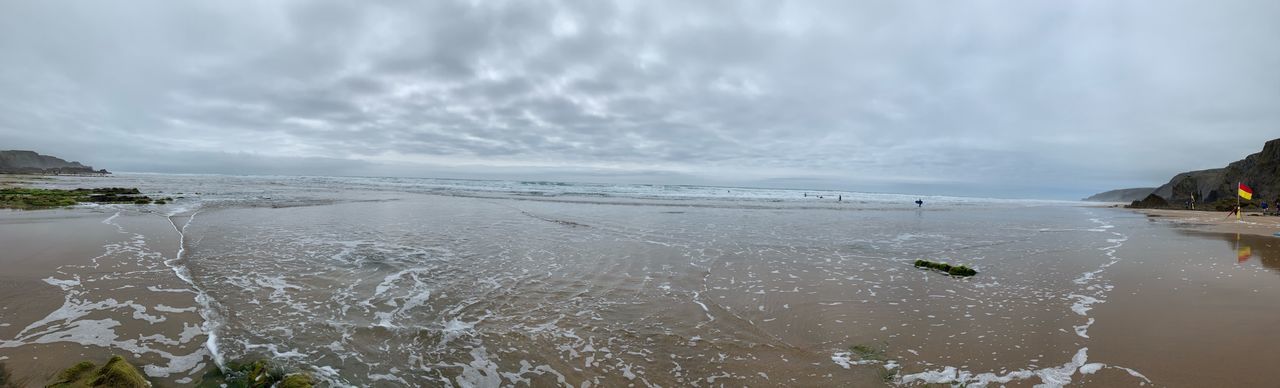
(1245, 192)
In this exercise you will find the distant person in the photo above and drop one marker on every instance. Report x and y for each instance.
(919, 203)
(840, 198)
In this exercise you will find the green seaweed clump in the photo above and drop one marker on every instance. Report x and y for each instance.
(868, 352)
(959, 270)
(296, 380)
(877, 354)
(34, 198)
(115, 373)
(256, 374)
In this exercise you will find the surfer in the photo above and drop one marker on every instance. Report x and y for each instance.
(919, 203)
(840, 198)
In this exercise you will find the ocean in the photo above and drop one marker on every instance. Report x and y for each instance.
(434, 282)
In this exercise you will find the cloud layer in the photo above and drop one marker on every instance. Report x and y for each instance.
(1052, 99)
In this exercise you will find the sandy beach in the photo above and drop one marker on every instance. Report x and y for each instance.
(76, 286)
(1253, 223)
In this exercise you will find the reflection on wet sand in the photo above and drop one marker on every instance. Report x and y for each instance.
(1186, 310)
(1246, 248)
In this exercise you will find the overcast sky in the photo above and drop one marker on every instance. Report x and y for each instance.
(1050, 99)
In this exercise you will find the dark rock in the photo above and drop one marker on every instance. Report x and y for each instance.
(1152, 201)
(960, 270)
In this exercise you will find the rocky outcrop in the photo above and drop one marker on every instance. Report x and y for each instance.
(1152, 201)
(1212, 189)
(30, 162)
(1121, 195)
(1259, 171)
(1203, 184)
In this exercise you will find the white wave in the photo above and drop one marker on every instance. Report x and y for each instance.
(212, 321)
(480, 372)
(1049, 377)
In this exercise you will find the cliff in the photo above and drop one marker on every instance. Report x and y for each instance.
(1121, 195)
(1260, 171)
(30, 162)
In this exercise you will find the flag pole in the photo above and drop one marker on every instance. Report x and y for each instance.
(1238, 201)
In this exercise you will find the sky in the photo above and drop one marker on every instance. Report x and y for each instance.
(1021, 99)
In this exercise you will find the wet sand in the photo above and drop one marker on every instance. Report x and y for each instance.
(19, 180)
(74, 278)
(1196, 308)
(1252, 223)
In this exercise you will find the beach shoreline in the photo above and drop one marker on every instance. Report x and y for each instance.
(1253, 223)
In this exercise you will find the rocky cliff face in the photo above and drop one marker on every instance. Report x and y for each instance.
(1260, 171)
(1121, 195)
(30, 162)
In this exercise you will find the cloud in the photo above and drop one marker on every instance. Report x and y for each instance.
(962, 97)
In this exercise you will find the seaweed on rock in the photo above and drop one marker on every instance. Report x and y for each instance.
(959, 270)
(256, 374)
(35, 198)
(115, 373)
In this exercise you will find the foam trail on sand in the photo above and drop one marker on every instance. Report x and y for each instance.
(211, 319)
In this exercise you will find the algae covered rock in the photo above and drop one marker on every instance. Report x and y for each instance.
(296, 380)
(74, 373)
(115, 373)
(119, 373)
(1152, 201)
(37, 198)
(958, 270)
(256, 374)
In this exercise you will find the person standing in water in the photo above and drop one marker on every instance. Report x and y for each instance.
(919, 203)
(839, 198)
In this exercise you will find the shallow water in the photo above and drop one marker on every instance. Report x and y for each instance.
(362, 282)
